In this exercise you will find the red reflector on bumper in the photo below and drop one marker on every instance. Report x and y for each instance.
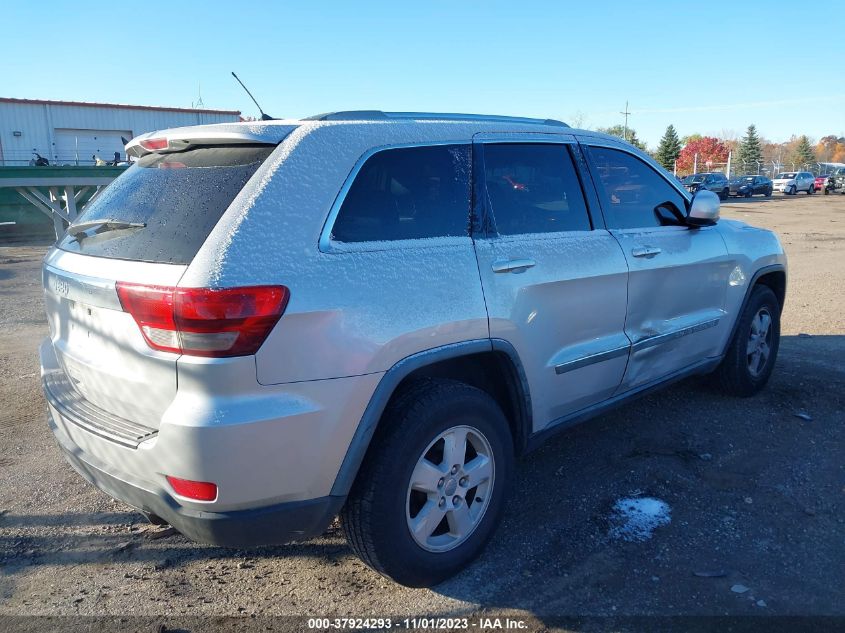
(199, 490)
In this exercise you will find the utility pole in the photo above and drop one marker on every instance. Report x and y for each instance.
(626, 113)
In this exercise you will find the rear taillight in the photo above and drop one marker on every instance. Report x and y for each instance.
(204, 321)
(154, 144)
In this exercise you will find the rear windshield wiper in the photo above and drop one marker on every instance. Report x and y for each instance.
(76, 230)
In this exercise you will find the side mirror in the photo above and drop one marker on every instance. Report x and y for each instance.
(704, 210)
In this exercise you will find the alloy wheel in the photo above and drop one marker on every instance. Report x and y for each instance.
(759, 346)
(450, 489)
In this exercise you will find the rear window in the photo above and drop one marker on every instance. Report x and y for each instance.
(407, 193)
(178, 198)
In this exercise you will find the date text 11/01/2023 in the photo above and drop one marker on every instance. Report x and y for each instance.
(421, 623)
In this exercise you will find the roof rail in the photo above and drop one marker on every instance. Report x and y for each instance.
(378, 115)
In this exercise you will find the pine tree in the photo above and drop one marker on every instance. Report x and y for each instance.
(669, 148)
(804, 154)
(750, 151)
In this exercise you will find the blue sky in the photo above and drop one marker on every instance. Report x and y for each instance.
(707, 67)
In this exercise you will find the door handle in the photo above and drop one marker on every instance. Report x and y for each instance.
(513, 265)
(645, 251)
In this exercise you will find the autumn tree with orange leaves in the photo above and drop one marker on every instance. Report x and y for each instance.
(708, 148)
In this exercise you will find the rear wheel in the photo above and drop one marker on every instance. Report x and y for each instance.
(811, 190)
(751, 355)
(431, 490)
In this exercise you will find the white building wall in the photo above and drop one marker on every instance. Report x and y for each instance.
(37, 122)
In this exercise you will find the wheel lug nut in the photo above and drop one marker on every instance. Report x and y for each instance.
(463, 481)
(440, 483)
(456, 500)
(454, 469)
(442, 503)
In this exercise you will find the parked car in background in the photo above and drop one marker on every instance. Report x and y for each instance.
(715, 182)
(260, 327)
(838, 179)
(822, 182)
(791, 182)
(747, 186)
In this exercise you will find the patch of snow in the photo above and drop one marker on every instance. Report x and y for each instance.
(635, 519)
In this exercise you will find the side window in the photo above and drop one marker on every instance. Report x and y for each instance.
(407, 193)
(630, 189)
(534, 188)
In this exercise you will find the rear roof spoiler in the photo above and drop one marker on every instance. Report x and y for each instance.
(178, 139)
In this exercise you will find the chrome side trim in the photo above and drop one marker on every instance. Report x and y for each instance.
(578, 363)
(651, 341)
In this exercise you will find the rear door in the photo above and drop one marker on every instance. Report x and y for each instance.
(145, 228)
(678, 275)
(554, 279)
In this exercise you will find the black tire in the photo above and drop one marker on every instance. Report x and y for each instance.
(374, 518)
(734, 376)
(768, 193)
(749, 194)
(791, 191)
(725, 194)
(811, 190)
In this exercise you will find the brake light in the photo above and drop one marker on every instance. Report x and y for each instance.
(199, 490)
(153, 144)
(204, 321)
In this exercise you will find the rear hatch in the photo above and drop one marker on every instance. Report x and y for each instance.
(143, 229)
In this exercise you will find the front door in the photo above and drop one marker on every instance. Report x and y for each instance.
(678, 275)
(554, 281)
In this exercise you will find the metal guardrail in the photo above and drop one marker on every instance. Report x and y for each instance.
(59, 192)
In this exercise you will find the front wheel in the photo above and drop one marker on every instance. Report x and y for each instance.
(432, 486)
(751, 355)
(791, 191)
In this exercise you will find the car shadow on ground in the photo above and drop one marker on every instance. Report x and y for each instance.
(755, 491)
(754, 488)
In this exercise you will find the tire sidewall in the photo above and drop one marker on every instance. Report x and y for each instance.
(761, 296)
(407, 558)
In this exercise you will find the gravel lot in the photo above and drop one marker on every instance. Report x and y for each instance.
(756, 493)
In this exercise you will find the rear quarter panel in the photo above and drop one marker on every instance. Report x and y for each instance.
(361, 309)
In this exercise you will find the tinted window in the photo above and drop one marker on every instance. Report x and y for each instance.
(630, 189)
(178, 196)
(533, 188)
(407, 193)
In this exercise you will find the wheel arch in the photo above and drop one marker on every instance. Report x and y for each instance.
(489, 364)
(774, 277)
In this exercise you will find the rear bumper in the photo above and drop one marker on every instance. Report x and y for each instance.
(271, 525)
(273, 451)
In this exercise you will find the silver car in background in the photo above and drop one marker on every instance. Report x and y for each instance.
(792, 182)
(260, 326)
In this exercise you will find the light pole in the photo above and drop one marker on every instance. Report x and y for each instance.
(626, 113)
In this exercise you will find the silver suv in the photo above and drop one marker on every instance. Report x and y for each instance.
(260, 326)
